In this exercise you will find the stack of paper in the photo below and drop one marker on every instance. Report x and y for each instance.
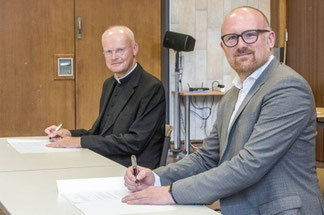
(35, 145)
(102, 196)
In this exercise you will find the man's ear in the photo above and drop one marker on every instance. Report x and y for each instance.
(135, 49)
(272, 39)
(222, 45)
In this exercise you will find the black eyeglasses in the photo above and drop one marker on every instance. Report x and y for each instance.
(249, 37)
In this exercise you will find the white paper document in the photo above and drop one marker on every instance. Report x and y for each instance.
(102, 196)
(35, 145)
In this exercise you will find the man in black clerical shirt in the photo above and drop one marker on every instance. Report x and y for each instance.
(132, 108)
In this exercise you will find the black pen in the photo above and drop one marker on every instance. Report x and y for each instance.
(134, 166)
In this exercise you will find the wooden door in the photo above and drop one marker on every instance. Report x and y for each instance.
(32, 32)
(142, 16)
(305, 51)
(320, 142)
(305, 43)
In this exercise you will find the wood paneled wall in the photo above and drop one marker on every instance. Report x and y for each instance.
(278, 20)
(34, 32)
(31, 33)
(305, 44)
(305, 47)
(305, 51)
(320, 142)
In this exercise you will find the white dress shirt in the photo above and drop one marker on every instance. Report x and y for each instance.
(245, 87)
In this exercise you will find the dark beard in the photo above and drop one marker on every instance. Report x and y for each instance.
(246, 70)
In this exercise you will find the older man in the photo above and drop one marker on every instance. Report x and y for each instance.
(132, 108)
(260, 155)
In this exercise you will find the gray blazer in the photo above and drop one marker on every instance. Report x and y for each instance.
(266, 163)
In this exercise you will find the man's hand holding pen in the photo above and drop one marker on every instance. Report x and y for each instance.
(56, 133)
(144, 191)
(144, 178)
(61, 138)
(134, 166)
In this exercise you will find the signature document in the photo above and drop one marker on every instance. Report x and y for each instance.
(35, 145)
(102, 196)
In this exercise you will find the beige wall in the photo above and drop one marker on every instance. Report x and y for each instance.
(202, 19)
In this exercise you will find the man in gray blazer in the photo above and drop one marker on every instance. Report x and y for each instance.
(132, 108)
(260, 155)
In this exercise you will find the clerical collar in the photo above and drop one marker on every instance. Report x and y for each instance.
(120, 80)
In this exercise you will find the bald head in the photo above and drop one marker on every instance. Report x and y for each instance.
(120, 49)
(248, 8)
(246, 13)
(119, 29)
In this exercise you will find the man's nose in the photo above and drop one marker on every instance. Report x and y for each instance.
(113, 55)
(240, 42)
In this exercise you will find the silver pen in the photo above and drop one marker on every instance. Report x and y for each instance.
(59, 127)
(134, 166)
(56, 129)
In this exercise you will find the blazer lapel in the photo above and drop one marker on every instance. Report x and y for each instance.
(226, 116)
(246, 100)
(255, 88)
(125, 95)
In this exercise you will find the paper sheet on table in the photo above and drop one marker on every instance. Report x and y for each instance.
(100, 196)
(35, 145)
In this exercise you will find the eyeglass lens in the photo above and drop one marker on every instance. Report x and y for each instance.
(118, 52)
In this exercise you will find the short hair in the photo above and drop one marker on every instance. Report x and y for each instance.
(128, 31)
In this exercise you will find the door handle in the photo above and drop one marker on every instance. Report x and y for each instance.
(79, 28)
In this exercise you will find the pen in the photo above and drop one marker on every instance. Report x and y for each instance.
(134, 165)
(59, 127)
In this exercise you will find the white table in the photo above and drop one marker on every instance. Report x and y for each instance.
(11, 160)
(28, 181)
(35, 192)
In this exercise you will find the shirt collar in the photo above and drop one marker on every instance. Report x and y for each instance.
(255, 75)
(119, 79)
